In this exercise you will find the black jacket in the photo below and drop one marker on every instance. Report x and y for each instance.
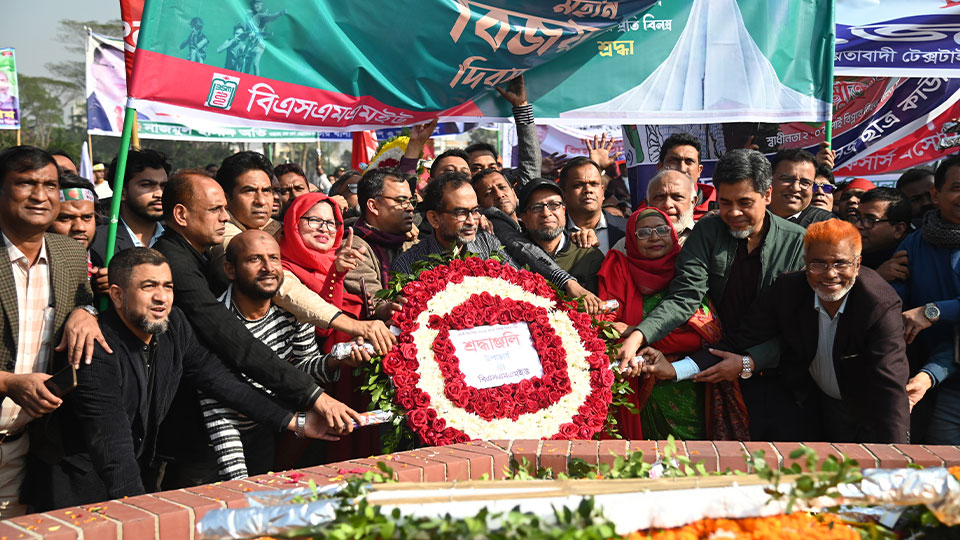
(223, 332)
(869, 353)
(98, 248)
(811, 214)
(523, 250)
(109, 424)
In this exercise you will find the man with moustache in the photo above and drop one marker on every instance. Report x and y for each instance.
(823, 188)
(582, 186)
(109, 426)
(931, 302)
(916, 185)
(681, 152)
(246, 179)
(499, 202)
(794, 173)
(244, 447)
(45, 299)
(195, 210)
(141, 213)
(453, 212)
(78, 212)
(675, 193)
(543, 217)
(731, 258)
(883, 220)
(842, 358)
(293, 183)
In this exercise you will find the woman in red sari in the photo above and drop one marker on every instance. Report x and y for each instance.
(638, 280)
(313, 249)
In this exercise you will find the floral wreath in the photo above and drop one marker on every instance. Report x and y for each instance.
(570, 400)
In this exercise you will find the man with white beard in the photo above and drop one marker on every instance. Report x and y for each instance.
(843, 356)
(675, 193)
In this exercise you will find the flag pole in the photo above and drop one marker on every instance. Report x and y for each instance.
(129, 118)
(90, 147)
(18, 136)
(135, 134)
(828, 125)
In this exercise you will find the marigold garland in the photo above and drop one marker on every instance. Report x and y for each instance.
(797, 526)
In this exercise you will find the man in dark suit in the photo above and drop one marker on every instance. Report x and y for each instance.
(581, 180)
(109, 426)
(140, 210)
(842, 351)
(44, 295)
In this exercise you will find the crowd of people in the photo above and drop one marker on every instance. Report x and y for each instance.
(769, 304)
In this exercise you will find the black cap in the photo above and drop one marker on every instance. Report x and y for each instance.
(534, 185)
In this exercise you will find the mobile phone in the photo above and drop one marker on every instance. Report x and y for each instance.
(62, 381)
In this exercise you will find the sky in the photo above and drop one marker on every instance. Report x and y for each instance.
(30, 26)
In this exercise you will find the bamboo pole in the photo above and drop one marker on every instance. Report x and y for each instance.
(135, 135)
(129, 119)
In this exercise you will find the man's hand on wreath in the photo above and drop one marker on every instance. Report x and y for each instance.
(630, 345)
(375, 333)
(591, 303)
(656, 365)
(335, 414)
(385, 310)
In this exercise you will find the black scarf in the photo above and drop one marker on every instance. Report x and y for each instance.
(938, 232)
(380, 242)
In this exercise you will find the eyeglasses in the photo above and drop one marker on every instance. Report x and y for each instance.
(353, 187)
(825, 187)
(401, 201)
(314, 223)
(646, 232)
(867, 221)
(805, 183)
(553, 206)
(821, 267)
(462, 213)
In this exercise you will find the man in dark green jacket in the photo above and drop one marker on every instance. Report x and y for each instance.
(730, 259)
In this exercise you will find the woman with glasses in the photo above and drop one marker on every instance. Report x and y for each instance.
(315, 249)
(638, 281)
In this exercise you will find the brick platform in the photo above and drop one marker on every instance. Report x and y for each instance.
(172, 514)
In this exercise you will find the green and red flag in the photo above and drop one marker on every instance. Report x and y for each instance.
(330, 64)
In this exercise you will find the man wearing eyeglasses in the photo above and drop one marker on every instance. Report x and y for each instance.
(842, 354)
(823, 188)
(452, 210)
(794, 173)
(386, 207)
(543, 216)
(883, 219)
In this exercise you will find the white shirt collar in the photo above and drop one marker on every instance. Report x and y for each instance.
(818, 305)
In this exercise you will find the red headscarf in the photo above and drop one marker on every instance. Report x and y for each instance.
(649, 276)
(308, 264)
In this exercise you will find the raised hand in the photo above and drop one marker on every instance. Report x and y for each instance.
(826, 155)
(551, 165)
(348, 257)
(419, 135)
(599, 149)
(516, 92)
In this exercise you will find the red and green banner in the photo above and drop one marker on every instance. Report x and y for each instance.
(355, 65)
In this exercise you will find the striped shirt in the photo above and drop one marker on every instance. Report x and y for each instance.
(35, 328)
(292, 341)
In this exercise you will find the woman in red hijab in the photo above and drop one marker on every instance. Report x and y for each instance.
(638, 280)
(314, 249)
(312, 236)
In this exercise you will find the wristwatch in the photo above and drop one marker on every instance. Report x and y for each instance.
(301, 425)
(93, 311)
(747, 371)
(931, 312)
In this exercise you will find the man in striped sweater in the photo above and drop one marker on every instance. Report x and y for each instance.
(242, 446)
